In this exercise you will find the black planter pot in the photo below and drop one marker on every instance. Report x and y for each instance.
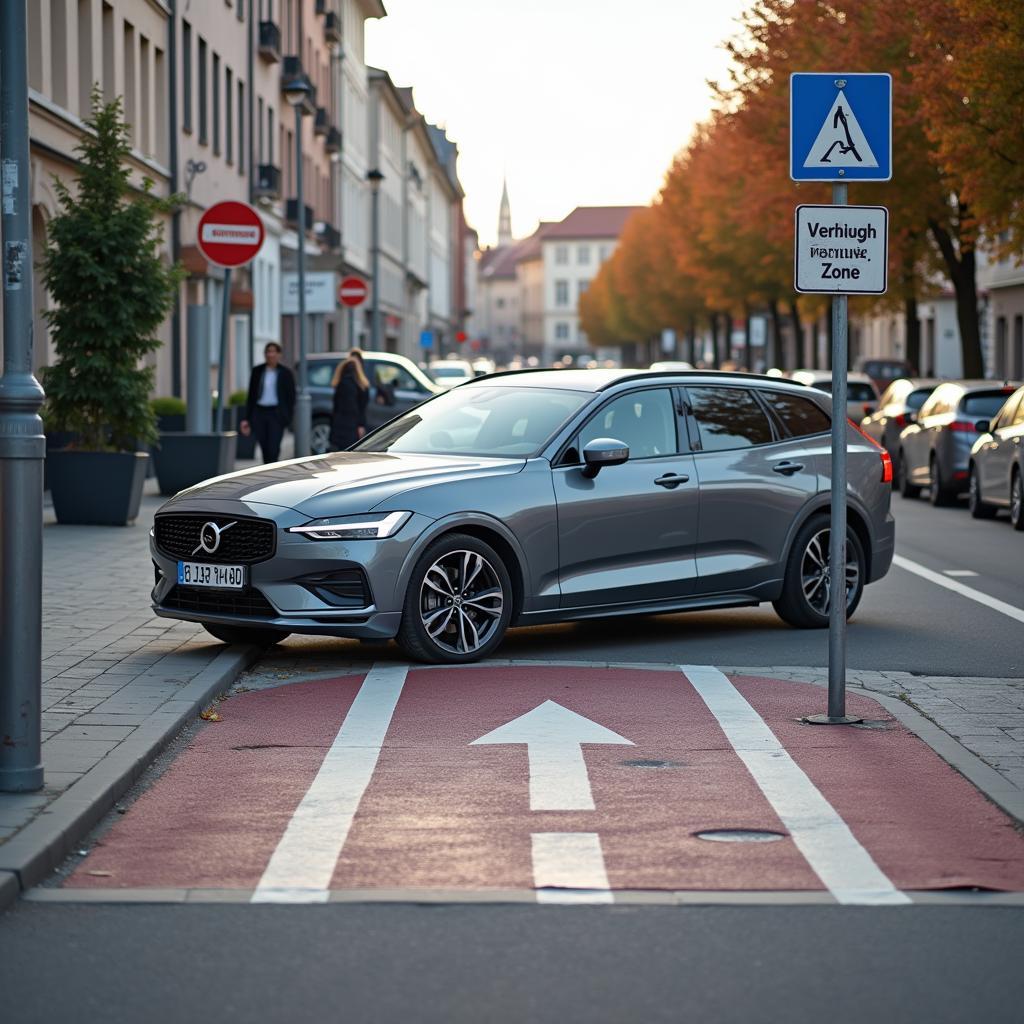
(103, 488)
(246, 446)
(184, 460)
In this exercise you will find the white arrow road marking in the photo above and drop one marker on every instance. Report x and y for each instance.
(301, 867)
(845, 868)
(553, 736)
(568, 867)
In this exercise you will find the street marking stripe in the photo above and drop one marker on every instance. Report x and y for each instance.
(960, 588)
(568, 867)
(845, 868)
(959, 572)
(300, 869)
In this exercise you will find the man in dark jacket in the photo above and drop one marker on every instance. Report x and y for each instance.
(270, 404)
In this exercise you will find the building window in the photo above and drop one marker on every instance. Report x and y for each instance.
(131, 113)
(186, 75)
(561, 255)
(215, 82)
(241, 128)
(59, 57)
(500, 303)
(582, 285)
(108, 54)
(204, 100)
(259, 129)
(85, 76)
(229, 120)
(604, 252)
(270, 135)
(561, 331)
(583, 254)
(561, 293)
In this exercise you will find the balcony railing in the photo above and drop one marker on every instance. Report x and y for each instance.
(332, 28)
(328, 235)
(291, 214)
(321, 122)
(270, 41)
(268, 181)
(333, 141)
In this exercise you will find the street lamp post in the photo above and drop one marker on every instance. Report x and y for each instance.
(296, 93)
(374, 177)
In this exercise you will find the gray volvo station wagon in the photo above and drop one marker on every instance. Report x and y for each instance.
(533, 497)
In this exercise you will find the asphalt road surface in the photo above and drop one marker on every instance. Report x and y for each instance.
(799, 965)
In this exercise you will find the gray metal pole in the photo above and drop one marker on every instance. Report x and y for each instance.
(225, 318)
(197, 385)
(375, 242)
(303, 405)
(22, 444)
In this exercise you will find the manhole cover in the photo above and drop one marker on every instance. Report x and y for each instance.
(739, 835)
(646, 762)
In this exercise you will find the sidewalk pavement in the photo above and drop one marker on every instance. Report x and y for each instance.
(118, 684)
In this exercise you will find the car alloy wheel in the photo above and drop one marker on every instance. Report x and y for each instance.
(1017, 501)
(461, 602)
(320, 437)
(816, 573)
(978, 508)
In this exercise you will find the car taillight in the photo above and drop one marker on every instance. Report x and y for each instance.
(885, 456)
(868, 408)
(900, 420)
(960, 427)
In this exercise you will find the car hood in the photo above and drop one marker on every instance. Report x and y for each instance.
(339, 483)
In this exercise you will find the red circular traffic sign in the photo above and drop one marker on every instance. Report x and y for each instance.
(230, 233)
(352, 291)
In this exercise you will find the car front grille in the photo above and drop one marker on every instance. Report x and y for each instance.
(249, 602)
(242, 541)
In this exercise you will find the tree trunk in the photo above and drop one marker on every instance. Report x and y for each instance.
(815, 344)
(912, 326)
(691, 341)
(747, 361)
(775, 353)
(798, 332)
(715, 359)
(962, 272)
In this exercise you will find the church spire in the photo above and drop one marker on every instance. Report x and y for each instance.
(504, 217)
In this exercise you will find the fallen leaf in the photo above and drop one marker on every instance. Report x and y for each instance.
(209, 715)
(100, 874)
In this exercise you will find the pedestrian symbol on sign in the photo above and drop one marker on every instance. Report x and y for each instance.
(841, 142)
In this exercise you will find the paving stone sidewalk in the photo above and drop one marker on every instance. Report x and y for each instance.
(115, 677)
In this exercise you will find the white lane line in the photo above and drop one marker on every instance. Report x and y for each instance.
(960, 588)
(568, 867)
(959, 572)
(300, 869)
(845, 868)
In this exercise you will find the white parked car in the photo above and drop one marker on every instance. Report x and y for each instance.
(667, 366)
(449, 372)
(861, 393)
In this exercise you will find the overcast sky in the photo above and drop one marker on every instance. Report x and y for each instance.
(578, 102)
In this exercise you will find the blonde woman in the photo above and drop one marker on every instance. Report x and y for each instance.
(351, 394)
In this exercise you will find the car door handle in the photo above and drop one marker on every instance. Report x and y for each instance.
(787, 468)
(671, 480)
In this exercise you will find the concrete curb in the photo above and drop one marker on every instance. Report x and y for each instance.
(42, 845)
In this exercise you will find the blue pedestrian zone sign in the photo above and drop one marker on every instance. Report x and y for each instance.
(840, 127)
(426, 339)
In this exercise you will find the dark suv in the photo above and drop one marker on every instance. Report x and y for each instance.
(397, 384)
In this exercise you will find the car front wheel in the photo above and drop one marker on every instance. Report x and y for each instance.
(1017, 500)
(458, 604)
(807, 586)
(906, 488)
(979, 509)
(938, 493)
(320, 436)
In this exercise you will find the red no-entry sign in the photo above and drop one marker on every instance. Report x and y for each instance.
(230, 234)
(353, 291)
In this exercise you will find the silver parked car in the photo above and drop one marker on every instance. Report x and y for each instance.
(861, 393)
(935, 451)
(897, 408)
(533, 497)
(996, 471)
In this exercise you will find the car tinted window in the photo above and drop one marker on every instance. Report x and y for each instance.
(321, 372)
(983, 403)
(643, 420)
(510, 422)
(729, 418)
(800, 416)
(917, 398)
(858, 391)
(391, 375)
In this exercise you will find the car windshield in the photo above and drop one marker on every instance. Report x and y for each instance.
(984, 403)
(497, 422)
(856, 391)
(450, 371)
(917, 398)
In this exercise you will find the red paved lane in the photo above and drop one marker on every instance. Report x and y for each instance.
(441, 813)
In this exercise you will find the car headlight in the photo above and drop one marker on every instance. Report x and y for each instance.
(364, 527)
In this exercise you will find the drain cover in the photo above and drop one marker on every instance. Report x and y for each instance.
(739, 835)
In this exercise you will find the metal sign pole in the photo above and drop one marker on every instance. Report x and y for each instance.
(22, 444)
(225, 316)
(303, 400)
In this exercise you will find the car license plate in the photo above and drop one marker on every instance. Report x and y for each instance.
(200, 574)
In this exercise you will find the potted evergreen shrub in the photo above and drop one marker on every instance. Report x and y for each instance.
(169, 412)
(111, 290)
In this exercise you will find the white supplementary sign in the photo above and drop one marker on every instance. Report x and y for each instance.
(321, 292)
(231, 234)
(842, 250)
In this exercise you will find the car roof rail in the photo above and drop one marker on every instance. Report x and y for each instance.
(742, 374)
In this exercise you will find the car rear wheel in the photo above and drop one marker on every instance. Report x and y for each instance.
(245, 634)
(320, 436)
(979, 509)
(806, 590)
(938, 493)
(459, 602)
(906, 488)
(1017, 500)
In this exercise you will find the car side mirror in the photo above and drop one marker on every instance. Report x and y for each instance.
(982, 426)
(601, 452)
